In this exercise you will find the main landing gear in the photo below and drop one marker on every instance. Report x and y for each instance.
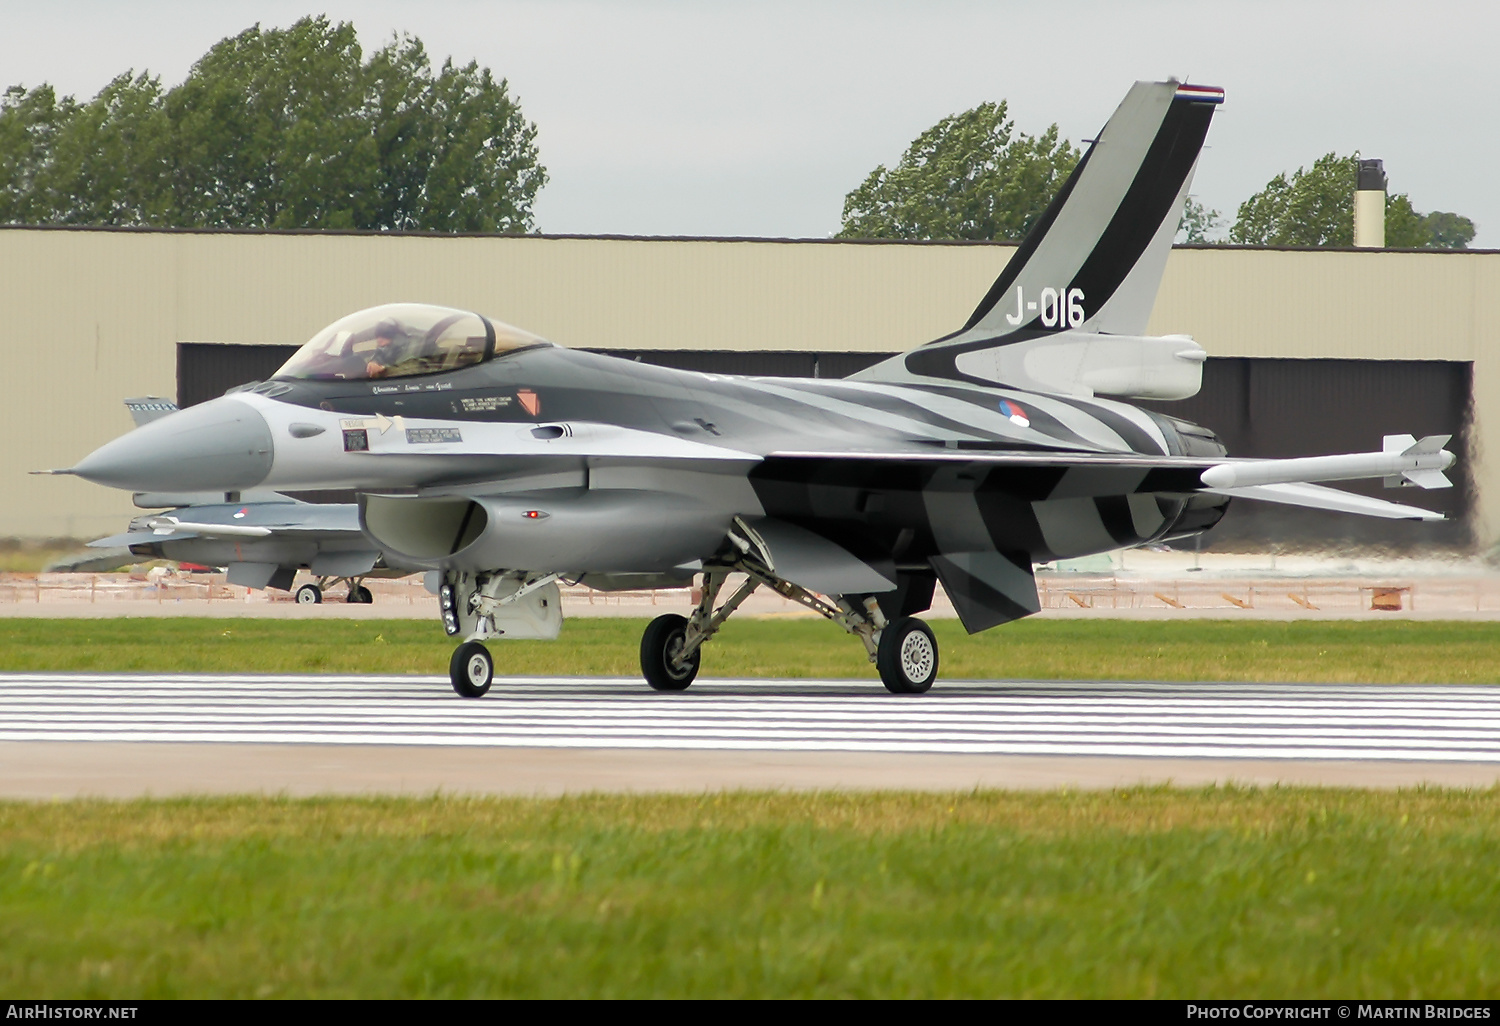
(903, 650)
(312, 594)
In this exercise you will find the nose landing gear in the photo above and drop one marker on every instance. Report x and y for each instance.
(501, 604)
(472, 669)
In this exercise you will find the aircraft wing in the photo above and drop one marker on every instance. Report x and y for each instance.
(1404, 460)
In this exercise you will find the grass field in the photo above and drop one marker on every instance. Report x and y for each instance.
(1145, 893)
(1335, 651)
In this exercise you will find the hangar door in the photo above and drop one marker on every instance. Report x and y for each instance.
(1280, 408)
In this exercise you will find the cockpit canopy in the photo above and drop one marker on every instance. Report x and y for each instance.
(400, 340)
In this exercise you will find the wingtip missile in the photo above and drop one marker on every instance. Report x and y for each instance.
(1402, 458)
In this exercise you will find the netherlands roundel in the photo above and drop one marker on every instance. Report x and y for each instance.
(1016, 414)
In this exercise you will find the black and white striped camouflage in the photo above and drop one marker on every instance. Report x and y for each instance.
(966, 460)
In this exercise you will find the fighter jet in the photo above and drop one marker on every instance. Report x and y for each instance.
(263, 544)
(509, 463)
(261, 537)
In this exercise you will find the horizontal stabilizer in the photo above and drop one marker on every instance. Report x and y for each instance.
(1317, 497)
(112, 558)
(988, 588)
(122, 541)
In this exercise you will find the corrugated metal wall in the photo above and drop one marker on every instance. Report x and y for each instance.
(92, 316)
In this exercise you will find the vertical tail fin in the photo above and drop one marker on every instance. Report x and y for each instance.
(144, 409)
(1094, 260)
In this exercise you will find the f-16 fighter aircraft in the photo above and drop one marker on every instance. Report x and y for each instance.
(509, 463)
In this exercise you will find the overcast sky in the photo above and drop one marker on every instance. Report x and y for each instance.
(694, 117)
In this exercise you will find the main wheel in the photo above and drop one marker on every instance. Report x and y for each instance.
(360, 595)
(309, 595)
(907, 656)
(664, 638)
(471, 669)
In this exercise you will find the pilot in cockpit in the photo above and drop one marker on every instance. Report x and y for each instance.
(388, 350)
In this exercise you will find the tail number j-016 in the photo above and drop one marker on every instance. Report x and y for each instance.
(1059, 308)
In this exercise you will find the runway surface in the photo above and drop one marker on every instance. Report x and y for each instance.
(723, 723)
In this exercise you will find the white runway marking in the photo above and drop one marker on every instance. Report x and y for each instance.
(1257, 721)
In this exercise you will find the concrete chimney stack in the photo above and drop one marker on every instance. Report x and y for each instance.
(1369, 205)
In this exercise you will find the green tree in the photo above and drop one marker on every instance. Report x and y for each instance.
(1315, 207)
(454, 152)
(483, 161)
(278, 128)
(1450, 231)
(269, 132)
(30, 121)
(109, 158)
(1404, 227)
(970, 176)
(1198, 224)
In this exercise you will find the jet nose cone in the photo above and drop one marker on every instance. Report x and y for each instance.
(220, 445)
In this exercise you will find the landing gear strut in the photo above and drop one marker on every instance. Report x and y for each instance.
(905, 651)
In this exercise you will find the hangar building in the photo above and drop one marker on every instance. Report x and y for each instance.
(1311, 351)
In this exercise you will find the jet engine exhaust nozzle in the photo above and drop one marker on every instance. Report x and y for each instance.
(220, 445)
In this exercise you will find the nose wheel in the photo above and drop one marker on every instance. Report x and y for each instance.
(471, 669)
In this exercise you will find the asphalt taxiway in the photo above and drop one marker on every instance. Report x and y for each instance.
(118, 735)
